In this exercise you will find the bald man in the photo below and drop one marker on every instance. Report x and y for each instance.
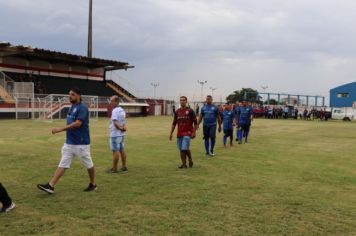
(117, 135)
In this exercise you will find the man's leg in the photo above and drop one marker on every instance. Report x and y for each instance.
(115, 160)
(212, 144)
(212, 135)
(190, 159)
(183, 157)
(57, 175)
(239, 134)
(225, 138)
(91, 172)
(4, 197)
(123, 158)
(206, 139)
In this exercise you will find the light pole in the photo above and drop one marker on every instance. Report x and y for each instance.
(202, 88)
(212, 91)
(264, 87)
(90, 29)
(155, 85)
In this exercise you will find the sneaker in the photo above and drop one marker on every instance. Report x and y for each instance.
(8, 208)
(111, 170)
(191, 163)
(211, 154)
(182, 167)
(46, 188)
(124, 169)
(91, 187)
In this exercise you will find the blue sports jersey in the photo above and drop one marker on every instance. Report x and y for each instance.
(244, 115)
(210, 114)
(227, 118)
(78, 136)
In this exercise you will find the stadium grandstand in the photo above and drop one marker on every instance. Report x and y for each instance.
(34, 83)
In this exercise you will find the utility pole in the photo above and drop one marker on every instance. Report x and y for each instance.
(90, 30)
(202, 88)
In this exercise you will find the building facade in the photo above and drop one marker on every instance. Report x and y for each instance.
(343, 96)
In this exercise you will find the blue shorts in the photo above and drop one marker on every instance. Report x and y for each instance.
(117, 143)
(209, 131)
(183, 143)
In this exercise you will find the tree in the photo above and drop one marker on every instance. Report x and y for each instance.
(247, 94)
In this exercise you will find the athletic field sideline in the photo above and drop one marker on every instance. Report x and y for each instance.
(292, 178)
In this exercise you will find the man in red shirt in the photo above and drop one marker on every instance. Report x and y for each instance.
(185, 118)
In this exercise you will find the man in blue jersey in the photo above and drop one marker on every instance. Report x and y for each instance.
(244, 118)
(77, 143)
(210, 113)
(227, 117)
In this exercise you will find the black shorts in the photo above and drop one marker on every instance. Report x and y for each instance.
(209, 131)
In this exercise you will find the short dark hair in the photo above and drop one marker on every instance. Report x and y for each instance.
(76, 90)
(209, 96)
(184, 97)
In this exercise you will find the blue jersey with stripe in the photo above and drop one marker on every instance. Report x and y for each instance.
(210, 114)
(80, 135)
(244, 115)
(227, 119)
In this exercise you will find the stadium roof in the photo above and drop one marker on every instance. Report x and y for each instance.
(29, 53)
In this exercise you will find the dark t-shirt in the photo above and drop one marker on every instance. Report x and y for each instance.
(184, 118)
(78, 136)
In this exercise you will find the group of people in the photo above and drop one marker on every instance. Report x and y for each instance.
(293, 112)
(213, 120)
(78, 141)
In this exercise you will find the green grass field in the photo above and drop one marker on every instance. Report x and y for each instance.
(293, 178)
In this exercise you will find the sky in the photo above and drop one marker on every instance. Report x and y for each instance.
(296, 46)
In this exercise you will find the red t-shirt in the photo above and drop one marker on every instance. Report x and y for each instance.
(185, 118)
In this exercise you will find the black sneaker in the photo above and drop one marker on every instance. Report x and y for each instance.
(124, 169)
(8, 208)
(91, 187)
(111, 171)
(182, 167)
(46, 188)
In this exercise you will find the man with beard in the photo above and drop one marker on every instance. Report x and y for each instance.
(77, 143)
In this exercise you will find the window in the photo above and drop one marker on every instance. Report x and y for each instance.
(343, 95)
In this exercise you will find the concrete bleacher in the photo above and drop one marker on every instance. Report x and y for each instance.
(58, 85)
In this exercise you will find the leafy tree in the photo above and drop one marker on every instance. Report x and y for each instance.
(247, 94)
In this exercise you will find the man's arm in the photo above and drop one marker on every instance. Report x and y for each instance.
(219, 122)
(119, 126)
(76, 124)
(195, 125)
(173, 126)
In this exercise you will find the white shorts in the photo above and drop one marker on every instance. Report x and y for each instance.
(69, 152)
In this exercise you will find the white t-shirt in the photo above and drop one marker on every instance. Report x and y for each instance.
(118, 114)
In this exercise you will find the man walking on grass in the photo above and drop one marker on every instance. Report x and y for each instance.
(210, 114)
(186, 120)
(227, 117)
(117, 135)
(77, 143)
(243, 120)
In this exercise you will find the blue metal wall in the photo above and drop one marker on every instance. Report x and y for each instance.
(343, 102)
